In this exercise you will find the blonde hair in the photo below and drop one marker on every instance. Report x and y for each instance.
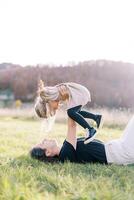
(41, 108)
(45, 94)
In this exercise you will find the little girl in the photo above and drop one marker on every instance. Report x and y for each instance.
(76, 96)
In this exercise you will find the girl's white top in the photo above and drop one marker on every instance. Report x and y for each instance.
(121, 151)
(78, 94)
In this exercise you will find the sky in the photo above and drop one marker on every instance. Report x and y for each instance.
(62, 31)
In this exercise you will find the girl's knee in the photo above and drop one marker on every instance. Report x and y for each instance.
(70, 112)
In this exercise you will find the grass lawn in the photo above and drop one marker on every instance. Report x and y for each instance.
(22, 178)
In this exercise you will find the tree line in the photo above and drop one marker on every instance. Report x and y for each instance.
(110, 83)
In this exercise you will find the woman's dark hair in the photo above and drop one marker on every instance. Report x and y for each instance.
(40, 154)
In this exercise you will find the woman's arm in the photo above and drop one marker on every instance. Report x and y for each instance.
(71, 132)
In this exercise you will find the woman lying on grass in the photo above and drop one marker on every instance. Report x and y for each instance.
(118, 151)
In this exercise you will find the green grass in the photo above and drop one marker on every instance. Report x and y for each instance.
(22, 178)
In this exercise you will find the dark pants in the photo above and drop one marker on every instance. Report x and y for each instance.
(78, 116)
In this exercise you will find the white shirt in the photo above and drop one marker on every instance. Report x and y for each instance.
(121, 151)
(78, 94)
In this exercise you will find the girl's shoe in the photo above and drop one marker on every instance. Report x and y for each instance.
(90, 135)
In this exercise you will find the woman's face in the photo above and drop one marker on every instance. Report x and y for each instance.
(49, 146)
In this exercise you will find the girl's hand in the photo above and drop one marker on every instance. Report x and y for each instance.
(63, 92)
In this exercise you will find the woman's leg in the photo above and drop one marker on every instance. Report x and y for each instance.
(74, 113)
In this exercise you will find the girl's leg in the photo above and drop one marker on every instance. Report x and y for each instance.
(86, 114)
(74, 113)
(96, 118)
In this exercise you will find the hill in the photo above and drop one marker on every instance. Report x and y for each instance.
(111, 83)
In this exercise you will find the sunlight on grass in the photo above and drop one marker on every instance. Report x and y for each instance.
(22, 178)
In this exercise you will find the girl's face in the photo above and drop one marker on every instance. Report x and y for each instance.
(53, 105)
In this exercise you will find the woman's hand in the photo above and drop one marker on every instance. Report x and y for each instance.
(63, 90)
